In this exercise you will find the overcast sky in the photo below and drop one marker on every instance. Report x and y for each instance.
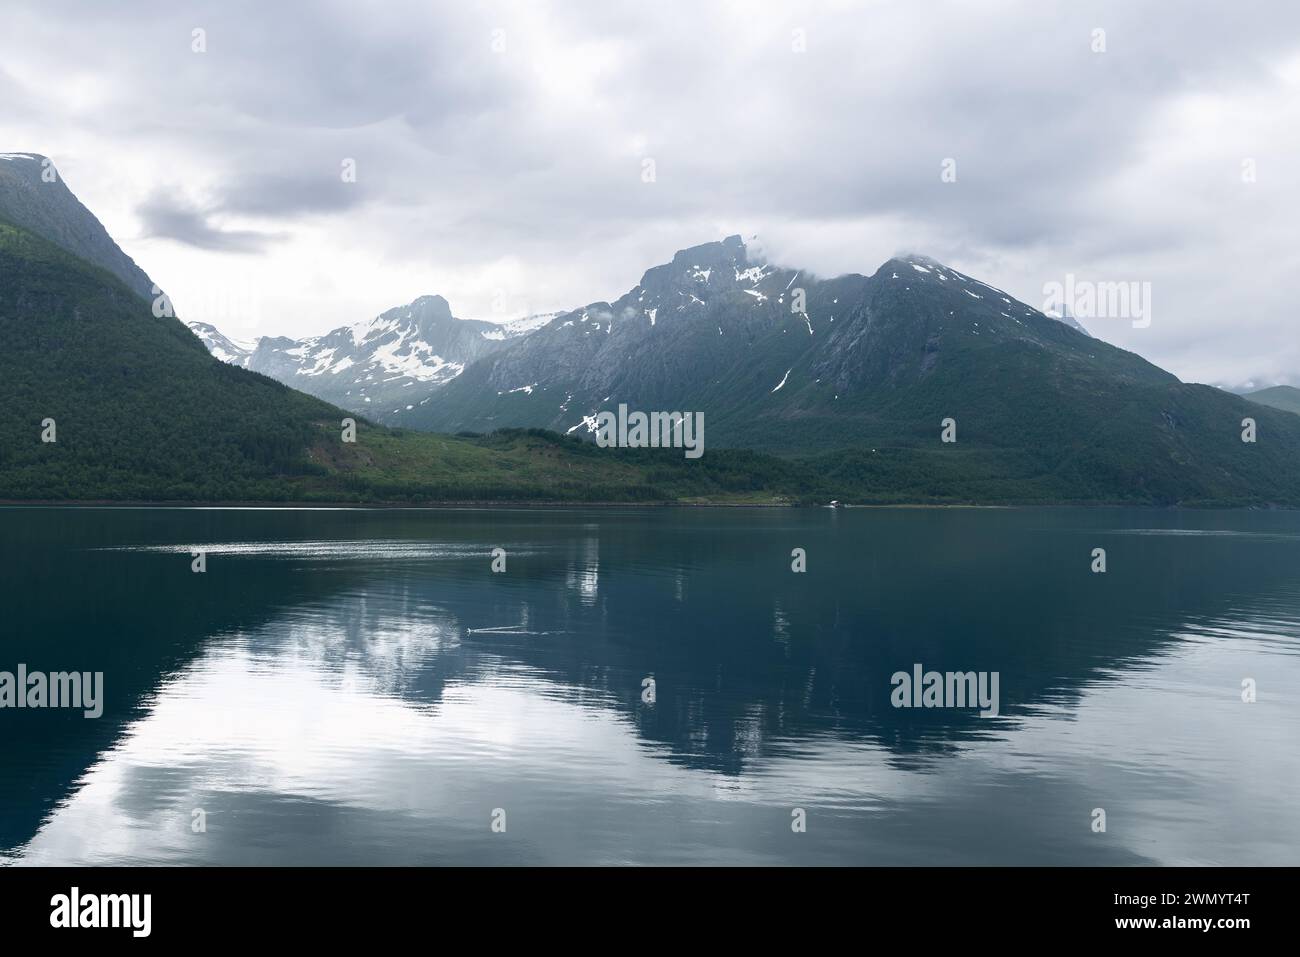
(501, 151)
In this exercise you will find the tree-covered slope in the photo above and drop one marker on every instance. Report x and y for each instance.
(139, 407)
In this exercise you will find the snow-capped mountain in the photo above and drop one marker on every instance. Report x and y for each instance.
(381, 367)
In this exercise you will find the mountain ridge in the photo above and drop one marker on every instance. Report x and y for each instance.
(864, 369)
(289, 360)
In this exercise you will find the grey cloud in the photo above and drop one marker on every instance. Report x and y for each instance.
(318, 187)
(166, 217)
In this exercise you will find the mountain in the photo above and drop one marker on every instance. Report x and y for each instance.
(379, 368)
(866, 370)
(774, 357)
(34, 197)
(1283, 397)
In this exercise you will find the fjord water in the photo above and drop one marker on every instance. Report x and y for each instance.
(358, 686)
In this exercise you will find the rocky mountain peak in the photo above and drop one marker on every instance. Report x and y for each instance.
(699, 264)
(730, 251)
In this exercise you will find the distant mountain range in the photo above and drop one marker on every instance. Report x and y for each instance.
(784, 362)
(380, 368)
(846, 380)
(1283, 397)
(394, 368)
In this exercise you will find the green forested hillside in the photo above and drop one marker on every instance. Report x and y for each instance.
(140, 408)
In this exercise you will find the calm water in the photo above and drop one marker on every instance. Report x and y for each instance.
(352, 686)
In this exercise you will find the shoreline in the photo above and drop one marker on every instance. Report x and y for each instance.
(338, 506)
(472, 504)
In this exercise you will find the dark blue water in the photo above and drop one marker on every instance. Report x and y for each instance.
(357, 686)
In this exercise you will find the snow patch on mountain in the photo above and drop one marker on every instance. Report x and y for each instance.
(231, 351)
(522, 326)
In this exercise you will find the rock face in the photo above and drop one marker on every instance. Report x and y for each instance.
(34, 197)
